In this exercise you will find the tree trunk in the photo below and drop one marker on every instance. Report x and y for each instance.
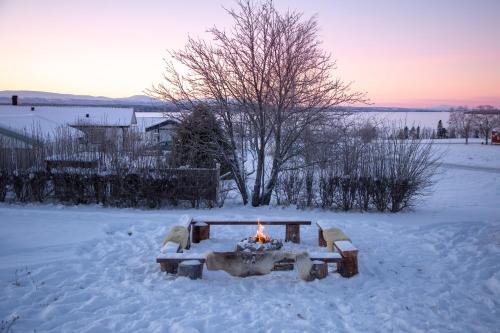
(236, 169)
(240, 182)
(277, 162)
(258, 177)
(268, 189)
(309, 187)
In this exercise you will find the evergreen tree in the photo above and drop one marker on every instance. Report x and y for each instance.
(199, 141)
(440, 129)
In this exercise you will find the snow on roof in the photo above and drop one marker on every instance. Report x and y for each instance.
(148, 119)
(47, 119)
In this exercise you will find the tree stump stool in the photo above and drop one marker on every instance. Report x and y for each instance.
(192, 269)
(319, 270)
(201, 231)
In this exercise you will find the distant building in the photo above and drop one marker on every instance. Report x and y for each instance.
(29, 125)
(162, 133)
(159, 127)
(495, 136)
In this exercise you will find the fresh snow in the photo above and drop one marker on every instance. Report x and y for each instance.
(46, 120)
(93, 269)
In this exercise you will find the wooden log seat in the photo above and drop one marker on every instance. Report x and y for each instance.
(200, 231)
(348, 266)
(319, 270)
(192, 269)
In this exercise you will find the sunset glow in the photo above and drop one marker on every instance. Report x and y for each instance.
(402, 53)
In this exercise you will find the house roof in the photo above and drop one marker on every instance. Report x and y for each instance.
(45, 120)
(146, 120)
(161, 124)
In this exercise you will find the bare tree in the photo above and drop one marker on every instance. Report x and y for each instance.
(462, 121)
(267, 72)
(486, 119)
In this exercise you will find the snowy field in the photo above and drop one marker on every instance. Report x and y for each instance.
(474, 154)
(92, 269)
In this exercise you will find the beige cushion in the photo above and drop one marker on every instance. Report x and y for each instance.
(332, 235)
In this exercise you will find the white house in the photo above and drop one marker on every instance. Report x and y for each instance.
(28, 124)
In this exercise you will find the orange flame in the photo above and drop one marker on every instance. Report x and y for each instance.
(260, 236)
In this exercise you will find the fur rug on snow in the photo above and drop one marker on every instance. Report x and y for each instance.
(242, 264)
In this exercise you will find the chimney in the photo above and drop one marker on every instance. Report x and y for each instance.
(14, 99)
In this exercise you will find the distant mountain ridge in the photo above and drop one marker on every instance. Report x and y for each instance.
(146, 103)
(28, 95)
(138, 102)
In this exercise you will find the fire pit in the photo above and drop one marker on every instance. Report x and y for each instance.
(254, 255)
(259, 243)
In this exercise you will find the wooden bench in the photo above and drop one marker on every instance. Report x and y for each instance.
(169, 261)
(201, 228)
(348, 266)
(172, 254)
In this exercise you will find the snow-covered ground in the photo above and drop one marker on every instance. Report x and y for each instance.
(92, 269)
(474, 154)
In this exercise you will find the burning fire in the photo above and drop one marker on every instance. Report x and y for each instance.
(260, 236)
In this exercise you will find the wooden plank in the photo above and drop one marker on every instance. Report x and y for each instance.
(170, 247)
(346, 247)
(325, 256)
(182, 256)
(161, 260)
(252, 222)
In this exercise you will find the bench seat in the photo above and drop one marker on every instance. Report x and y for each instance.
(201, 228)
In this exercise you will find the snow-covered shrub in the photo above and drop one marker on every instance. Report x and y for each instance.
(4, 181)
(388, 173)
(289, 187)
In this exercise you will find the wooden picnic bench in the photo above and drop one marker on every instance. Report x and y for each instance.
(201, 228)
(348, 266)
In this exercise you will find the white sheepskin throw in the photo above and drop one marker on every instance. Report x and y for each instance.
(178, 234)
(242, 264)
(331, 235)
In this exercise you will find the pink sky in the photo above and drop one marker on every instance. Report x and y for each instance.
(403, 53)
